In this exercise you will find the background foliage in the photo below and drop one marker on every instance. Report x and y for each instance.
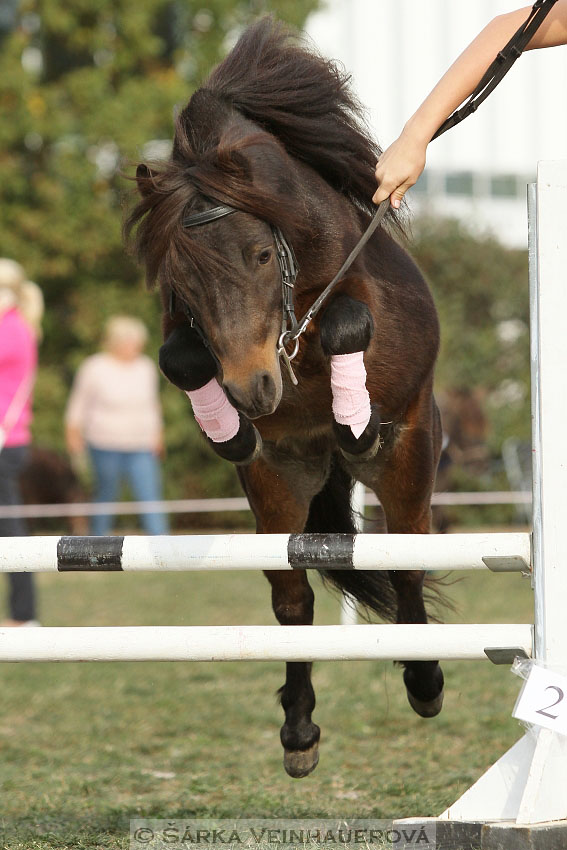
(88, 87)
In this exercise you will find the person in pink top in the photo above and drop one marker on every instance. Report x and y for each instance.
(21, 306)
(114, 412)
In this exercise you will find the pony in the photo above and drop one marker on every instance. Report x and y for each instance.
(266, 191)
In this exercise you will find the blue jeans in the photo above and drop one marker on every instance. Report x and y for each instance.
(21, 598)
(141, 471)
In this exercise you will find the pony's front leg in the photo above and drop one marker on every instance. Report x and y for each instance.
(346, 330)
(278, 509)
(188, 364)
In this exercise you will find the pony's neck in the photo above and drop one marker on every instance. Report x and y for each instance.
(334, 225)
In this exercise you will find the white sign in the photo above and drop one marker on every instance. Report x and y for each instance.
(543, 700)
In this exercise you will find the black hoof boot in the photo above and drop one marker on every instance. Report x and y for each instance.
(425, 699)
(367, 445)
(244, 447)
(185, 361)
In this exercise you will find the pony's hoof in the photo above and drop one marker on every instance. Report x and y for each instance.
(242, 449)
(426, 709)
(367, 445)
(300, 763)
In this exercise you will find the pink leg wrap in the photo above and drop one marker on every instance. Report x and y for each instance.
(214, 413)
(351, 402)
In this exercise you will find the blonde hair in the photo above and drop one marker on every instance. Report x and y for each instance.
(31, 306)
(121, 328)
(16, 291)
(12, 278)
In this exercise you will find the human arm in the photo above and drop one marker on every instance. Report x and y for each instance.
(76, 411)
(401, 164)
(74, 439)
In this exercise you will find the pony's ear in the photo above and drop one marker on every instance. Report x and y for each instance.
(144, 179)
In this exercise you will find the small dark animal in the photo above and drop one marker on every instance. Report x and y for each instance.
(276, 134)
(48, 479)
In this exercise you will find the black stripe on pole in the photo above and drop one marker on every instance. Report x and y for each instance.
(323, 551)
(89, 554)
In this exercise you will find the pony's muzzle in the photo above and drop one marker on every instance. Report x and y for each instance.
(259, 396)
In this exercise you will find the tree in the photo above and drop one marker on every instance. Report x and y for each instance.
(481, 291)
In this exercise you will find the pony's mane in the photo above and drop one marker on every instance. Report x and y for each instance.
(272, 90)
(197, 176)
(278, 81)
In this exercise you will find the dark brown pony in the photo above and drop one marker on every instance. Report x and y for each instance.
(275, 134)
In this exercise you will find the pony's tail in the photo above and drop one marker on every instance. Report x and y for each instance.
(330, 511)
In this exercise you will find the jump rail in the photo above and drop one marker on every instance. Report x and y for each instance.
(267, 643)
(498, 552)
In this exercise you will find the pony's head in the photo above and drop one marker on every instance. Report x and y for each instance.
(271, 118)
(223, 270)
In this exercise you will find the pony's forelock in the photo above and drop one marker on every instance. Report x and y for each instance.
(187, 181)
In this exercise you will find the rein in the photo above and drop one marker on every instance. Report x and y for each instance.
(292, 329)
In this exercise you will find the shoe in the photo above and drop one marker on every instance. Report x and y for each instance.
(26, 624)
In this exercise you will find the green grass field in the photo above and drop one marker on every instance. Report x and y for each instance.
(86, 747)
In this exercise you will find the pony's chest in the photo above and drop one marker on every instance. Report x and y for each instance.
(304, 410)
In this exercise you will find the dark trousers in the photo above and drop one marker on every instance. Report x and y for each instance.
(21, 600)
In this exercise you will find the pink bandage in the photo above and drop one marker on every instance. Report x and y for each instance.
(351, 402)
(214, 413)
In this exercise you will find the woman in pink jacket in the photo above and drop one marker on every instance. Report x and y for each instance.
(21, 306)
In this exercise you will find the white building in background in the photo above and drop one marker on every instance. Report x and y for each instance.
(396, 50)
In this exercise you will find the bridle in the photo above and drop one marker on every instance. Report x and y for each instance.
(292, 329)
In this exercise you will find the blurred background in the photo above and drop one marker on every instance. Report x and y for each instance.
(89, 87)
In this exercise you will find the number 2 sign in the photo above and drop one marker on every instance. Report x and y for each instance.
(543, 700)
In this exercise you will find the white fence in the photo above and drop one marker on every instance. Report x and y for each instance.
(237, 503)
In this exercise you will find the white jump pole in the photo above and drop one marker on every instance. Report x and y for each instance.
(499, 552)
(263, 643)
(528, 784)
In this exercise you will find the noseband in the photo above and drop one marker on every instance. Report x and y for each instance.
(291, 328)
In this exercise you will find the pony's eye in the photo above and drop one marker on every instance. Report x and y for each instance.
(265, 257)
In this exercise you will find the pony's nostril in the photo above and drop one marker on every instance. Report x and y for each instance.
(257, 399)
(265, 390)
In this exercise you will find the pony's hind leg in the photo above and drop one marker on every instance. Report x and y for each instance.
(292, 601)
(280, 497)
(404, 490)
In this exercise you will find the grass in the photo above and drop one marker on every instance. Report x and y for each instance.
(86, 747)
